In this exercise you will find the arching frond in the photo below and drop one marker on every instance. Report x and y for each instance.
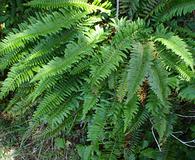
(96, 128)
(49, 24)
(130, 111)
(111, 59)
(188, 93)
(138, 66)
(73, 54)
(15, 78)
(89, 103)
(54, 98)
(175, 44)
(175, 8)
(158, 81)
(96, 5)
(122, 86)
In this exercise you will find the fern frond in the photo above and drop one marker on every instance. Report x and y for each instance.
(130, 110)
(111, 59)
(188, 93)
(122, 88)
(158, 81)
(15, 78)
(44, 51)
(154, 105)
(96, 128)
(82, 66)
(113, 55)
(129, 31)
(149, 7)
(128, 7)
(175, 8)
(24, 70)
(17, 105)
(49, 24)
(73, 54)
(83, 4)
(185, 73)
(175, 44)
(138, 66)
(89, 103)
(55, 98)
(170, 60)
(158, 112)
(185, 30)
(44, 84)
(55, 130)
(138, 121)
(11, 58)
(58, 113)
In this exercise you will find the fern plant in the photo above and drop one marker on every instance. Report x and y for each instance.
(79, 66)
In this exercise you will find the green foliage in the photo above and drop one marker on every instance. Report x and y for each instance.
(75, 69)
(175, 44)
(139, 65)
(12, 12)
(96, 5)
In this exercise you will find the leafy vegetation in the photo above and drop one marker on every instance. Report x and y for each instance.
(100, 86)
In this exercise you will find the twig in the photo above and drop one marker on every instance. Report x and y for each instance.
(156, 139)
(40, 150)
(192, 141)
(185, 143)
(192, 111)
(184, 116)
(117, 8)
(177, 132)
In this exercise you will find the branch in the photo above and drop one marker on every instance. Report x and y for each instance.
(156, 139)
(184, 116)
(117, 8)
(185, 143)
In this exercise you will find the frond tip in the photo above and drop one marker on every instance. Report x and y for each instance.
(175, 44)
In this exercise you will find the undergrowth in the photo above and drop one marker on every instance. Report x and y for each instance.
(99, 87)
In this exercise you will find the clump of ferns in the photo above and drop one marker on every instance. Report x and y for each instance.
(109, 80)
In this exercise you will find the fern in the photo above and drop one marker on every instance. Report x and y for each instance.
(98, 124)
(96, 5)
(73, 66)
(138, 67)
(176, 8)
(177, 45)
(169, 59)
(158, 111)
(15, 78)
(55, 98)
(61, 112)
(138, 121)
(188, 93)
(122, 86)
(41, 28)
(42, 53)
(44, 84)
(158, 82)
(60, 65)
(128, 7)
(149, 7)
(102, 71)
(89, 103)
(130, 111)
